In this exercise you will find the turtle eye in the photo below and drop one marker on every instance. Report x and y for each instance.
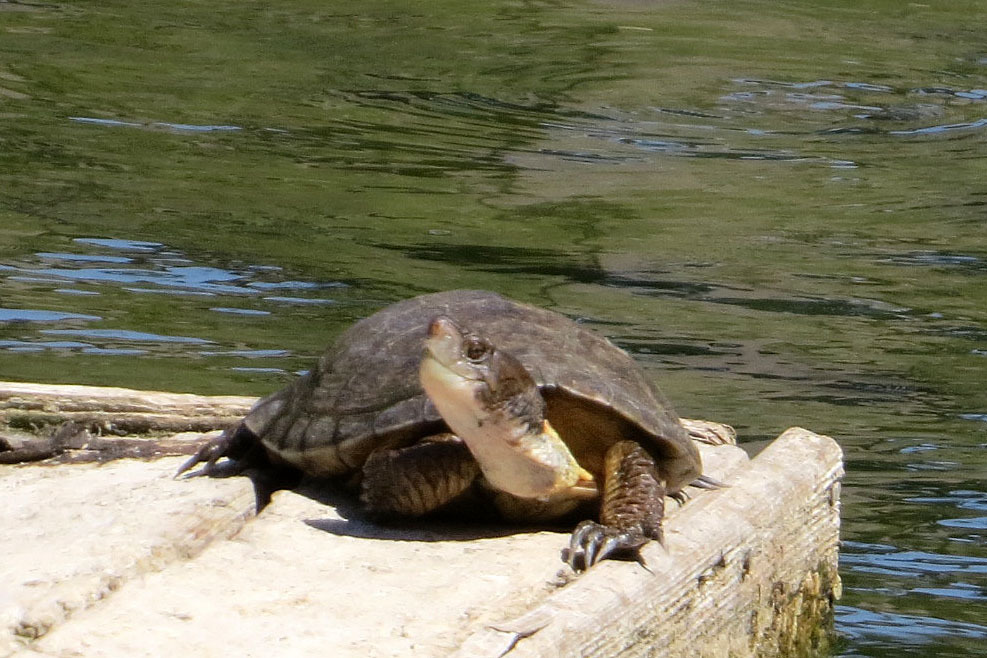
(476, 349)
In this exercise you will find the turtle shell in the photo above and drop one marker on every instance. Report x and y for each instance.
(364, 394)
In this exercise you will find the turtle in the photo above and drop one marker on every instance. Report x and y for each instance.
(469, 393)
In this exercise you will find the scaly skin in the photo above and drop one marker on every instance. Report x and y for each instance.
(634, 495)
(418, 479)
(630, 514)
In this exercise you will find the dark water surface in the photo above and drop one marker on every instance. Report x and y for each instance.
(779, 207)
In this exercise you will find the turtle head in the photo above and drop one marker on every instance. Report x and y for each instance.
(488, 398)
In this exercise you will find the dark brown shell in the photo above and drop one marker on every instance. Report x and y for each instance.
(364, 393)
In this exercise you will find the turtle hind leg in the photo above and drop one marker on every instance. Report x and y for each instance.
(710, 432)
(419, 479)
(630, 513)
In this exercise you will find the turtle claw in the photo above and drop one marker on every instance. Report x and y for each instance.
(707, 482)
(210, 453)
(706, 431)
(592, 542)
(680, 497)
(701, 482)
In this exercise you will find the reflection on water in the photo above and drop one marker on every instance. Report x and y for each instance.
(778, 208)
(888, 633)
(167, 270)
(889, 561)
(156, 125)
(855, 96)
(30, 315)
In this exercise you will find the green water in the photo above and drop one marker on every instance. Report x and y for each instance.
(778, 207)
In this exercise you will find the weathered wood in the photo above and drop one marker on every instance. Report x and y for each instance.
(96, 562)
(117, 409)
(65, 398)
(304, 579)
(72, 535)
(101, 449)
(749, 571)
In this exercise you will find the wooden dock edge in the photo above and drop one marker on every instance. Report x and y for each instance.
(36, 405)
(749, 571)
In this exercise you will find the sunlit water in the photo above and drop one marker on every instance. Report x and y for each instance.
(779, 208)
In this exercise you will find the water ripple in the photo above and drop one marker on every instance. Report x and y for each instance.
(85, 258)
(960, 498)
(124, 245)
(862, 624)
(204, 279)
(157, 266)
(20, 346)
(940, 129)
(239, 311)
(894, 562)
(37, 315)
(104, 268)
(125, 335)
(156, 125)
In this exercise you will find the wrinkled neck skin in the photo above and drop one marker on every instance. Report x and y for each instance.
(500, 415)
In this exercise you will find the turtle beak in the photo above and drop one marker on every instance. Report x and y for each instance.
(444, 341)
(441, 325)
(444, 353)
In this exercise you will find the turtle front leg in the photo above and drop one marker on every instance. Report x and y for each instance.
(630, 513)
(418, 479)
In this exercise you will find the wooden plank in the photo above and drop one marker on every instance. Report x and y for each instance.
(309, 577)
(72, 535)
(119, 409)
(750, 571)
(66, 397)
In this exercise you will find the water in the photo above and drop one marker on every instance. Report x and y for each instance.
(778, 207)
